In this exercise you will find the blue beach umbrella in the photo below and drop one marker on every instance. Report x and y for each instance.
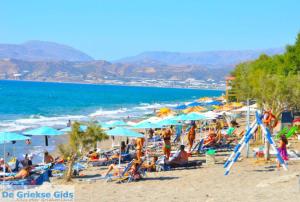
(194, 117)
(146, 125)
(195, 104)
(180, 107)
(46, 131)
(82, 128)
(168, 122)
(123, 132)
(117, 123)
(179, 117)
(215, 102)
(6, 137)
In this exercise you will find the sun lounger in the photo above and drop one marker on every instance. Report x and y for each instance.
(122, 176)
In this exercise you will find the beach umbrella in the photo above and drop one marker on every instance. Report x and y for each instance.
(123, 132)
(168, 122)
(179, 117)
(6, 137)
(204, 99)
(214, 102)
(44, 131)
(113, 124)
(194, 117)
(82, 128)
(146, 125)
(164, 112)
(180, 107)
(194, 104)
(211, 114)
(194, 109)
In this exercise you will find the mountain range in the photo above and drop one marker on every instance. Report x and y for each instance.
(42, 51)
(47, 61)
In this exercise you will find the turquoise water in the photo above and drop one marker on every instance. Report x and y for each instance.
(25, 105)
(23, 101)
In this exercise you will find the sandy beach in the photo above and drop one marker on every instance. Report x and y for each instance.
(250, 180)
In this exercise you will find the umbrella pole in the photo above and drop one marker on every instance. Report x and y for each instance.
(120, 155)
(4, 167)
(146, 153)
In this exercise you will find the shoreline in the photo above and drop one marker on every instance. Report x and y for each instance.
(107, 84)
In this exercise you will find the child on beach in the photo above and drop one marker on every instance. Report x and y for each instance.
(282, 149)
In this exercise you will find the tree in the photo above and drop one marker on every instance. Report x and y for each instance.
(79, 143)
(274, 82)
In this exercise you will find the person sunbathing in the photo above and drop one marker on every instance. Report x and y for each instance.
(4, 166)
(181, 158)
(117, 170)
(210, 140)
(150, 167)
(22, 174)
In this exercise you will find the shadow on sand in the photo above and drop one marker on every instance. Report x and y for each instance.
(159, 178)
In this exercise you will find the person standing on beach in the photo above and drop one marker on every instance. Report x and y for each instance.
(282, 149)
(139, 148)
(192, 136)
(166, 135)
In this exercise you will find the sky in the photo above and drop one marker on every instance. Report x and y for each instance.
(113, 29)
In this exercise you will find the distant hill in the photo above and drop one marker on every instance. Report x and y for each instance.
(99, 70)
(47, 61)
(210, 59)
(42, 51)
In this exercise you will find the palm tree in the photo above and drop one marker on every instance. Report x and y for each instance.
(79, 143)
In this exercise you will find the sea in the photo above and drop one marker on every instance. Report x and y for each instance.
(25, 105)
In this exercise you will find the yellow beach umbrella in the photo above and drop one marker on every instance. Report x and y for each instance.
(194, 109)
(204, 99)
(164, 112)
(236, 104)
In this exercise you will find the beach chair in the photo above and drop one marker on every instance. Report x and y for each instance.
(139, 171)
(178, 133)
(198, 147)
(122, 176)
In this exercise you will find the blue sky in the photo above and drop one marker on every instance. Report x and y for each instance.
(112, 29)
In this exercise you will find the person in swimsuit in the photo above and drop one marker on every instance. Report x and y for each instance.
(181, 158)
(166, 135)
(22, 174)
(192, 136)
(117, 171)
(282, 149)
(210, 140)
(150, 167)
(139, 148)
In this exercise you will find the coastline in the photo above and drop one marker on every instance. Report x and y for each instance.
(108, 84)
